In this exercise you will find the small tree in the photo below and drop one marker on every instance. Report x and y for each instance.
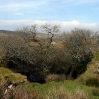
(79, 50)
(28, 56)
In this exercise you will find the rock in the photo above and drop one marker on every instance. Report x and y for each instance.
(33, 78)
(10, 86)
(52, 43)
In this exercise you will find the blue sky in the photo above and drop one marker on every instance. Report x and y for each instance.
(67, 13)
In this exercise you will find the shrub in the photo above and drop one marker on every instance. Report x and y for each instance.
(92, 81)
(78, 50)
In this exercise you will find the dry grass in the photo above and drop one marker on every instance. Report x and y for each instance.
(55, 77)
(18, 93)
(23, 94)
(2, 89)
(62, 93)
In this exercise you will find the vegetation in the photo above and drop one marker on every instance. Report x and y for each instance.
(65, 62)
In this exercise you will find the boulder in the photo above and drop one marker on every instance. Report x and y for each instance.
(33, 78)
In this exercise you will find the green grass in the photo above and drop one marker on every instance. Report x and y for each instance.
(89, 74)
(8, 74)
(69, 86)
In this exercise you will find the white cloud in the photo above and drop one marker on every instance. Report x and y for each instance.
(26, 4)
(19, 13)
(13, 6)
(80, 2)
(67, 26)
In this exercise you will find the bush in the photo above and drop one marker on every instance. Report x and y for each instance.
(92, 81)
(78, 50)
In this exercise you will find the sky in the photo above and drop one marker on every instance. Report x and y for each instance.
(69, 14)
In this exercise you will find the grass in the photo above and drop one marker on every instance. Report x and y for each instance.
(55, 77)
(89, 76)
(62, 93)
(5, 74)
(95, 91)
(63, 87)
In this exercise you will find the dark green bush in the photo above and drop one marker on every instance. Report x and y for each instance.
(95, 91)
(92, 81)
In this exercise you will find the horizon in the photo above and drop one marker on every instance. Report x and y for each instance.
(69, 14)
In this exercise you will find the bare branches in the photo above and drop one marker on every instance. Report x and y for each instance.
(29, 49)
(33, 31)
(51, 31)
(79, 49)
(79, 43)
(42, 35)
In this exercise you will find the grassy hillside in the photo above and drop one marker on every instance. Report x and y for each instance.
(90, 73)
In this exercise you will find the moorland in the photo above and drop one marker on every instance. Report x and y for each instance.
(41, 62)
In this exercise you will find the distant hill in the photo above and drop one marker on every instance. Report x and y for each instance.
(6, 31)
(39, 35)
